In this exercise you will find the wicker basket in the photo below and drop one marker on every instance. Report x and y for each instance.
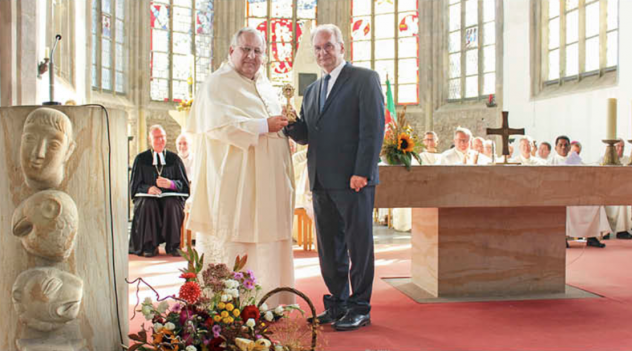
(314, 323)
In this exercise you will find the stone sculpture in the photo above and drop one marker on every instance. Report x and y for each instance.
(47, 298)
(47, 143)
(47, 224)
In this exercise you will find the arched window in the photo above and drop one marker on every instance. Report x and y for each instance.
(109, 70)
(281, 21)
(580, 38)
(181, 39)
(471, 49)
(384, 38)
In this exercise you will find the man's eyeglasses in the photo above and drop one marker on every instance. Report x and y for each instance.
(329, 47)
(248, 50)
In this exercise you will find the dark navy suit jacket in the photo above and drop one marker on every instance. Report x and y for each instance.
(345, 138)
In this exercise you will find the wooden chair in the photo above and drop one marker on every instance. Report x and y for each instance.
(305, 229)
(183, 230)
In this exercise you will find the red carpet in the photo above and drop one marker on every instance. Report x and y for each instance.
(399, 323)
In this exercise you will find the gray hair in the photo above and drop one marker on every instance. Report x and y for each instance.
(234, 42)
(436, 137)
(330, 28)
(156, 126)
(527, 138)
(464, 131)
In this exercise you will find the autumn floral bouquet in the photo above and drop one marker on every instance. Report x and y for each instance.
(401, 142)
(185, 105)
(215, 310)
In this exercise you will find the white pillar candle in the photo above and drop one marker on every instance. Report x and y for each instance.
(611, 122)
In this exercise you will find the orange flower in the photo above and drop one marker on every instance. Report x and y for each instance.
(405, 143)
(190, 292)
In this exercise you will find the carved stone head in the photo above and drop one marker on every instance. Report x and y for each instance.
(47, 224)
(47, 298)
(47, 144)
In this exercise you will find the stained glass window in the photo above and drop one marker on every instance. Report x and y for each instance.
(471, 48)
(581, 38)
(181, 51)
(282, 23)
(384, 38)
(109, 46)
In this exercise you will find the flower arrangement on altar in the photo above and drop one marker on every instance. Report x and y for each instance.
(401, 142)
(185, 105)
(215, 310)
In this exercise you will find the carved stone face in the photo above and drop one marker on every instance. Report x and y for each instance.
(47, 298)
(46, 146)
(47, 224)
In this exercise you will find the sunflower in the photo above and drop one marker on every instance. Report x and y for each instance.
(405, 143)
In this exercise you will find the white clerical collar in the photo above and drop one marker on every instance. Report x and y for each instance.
(155, 158)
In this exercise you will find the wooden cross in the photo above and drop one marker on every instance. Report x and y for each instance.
(505, 132)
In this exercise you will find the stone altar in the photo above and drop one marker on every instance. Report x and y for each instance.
(494, 230)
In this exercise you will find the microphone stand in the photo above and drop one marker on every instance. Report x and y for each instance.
(51, 74)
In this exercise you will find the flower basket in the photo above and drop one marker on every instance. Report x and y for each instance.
(313, 325)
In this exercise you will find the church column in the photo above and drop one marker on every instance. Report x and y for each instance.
(28, 54)
(229, 18)
(336, 12)
(427, 63)
(8, 48)
(139, 73)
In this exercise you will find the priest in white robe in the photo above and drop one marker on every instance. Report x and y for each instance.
(544, 150)
(581, 221)
(461, 153)
(430, 156)
(525, 157)
(243, 194)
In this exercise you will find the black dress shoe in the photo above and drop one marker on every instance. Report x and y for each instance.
(352, 321)
(595, 243)
(151, 253)
(624, 235)
(327, 317)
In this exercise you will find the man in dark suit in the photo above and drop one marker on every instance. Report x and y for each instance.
(342, 120)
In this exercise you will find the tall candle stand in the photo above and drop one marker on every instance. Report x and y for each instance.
(610, 158)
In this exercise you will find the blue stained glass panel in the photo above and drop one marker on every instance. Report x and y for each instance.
(95, 19)
(306, 9)
(471, 37)
(120, 60)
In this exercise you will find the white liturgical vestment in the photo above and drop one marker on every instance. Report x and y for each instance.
(531, 161)
(456, 157)
(242, 200)
(582, 221)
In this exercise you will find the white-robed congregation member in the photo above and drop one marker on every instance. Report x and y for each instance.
(461, 153)
(581, 221)
(525, 156)
(620, 217)
(243, 195)
(430, 156)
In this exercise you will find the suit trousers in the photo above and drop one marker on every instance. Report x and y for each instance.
(344, 228)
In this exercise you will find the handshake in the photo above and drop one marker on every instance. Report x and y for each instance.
(276, 123)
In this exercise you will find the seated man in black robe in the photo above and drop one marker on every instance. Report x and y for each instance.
(158, 216)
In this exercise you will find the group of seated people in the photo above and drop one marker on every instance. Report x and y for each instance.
(478, 151)
(159, 186)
